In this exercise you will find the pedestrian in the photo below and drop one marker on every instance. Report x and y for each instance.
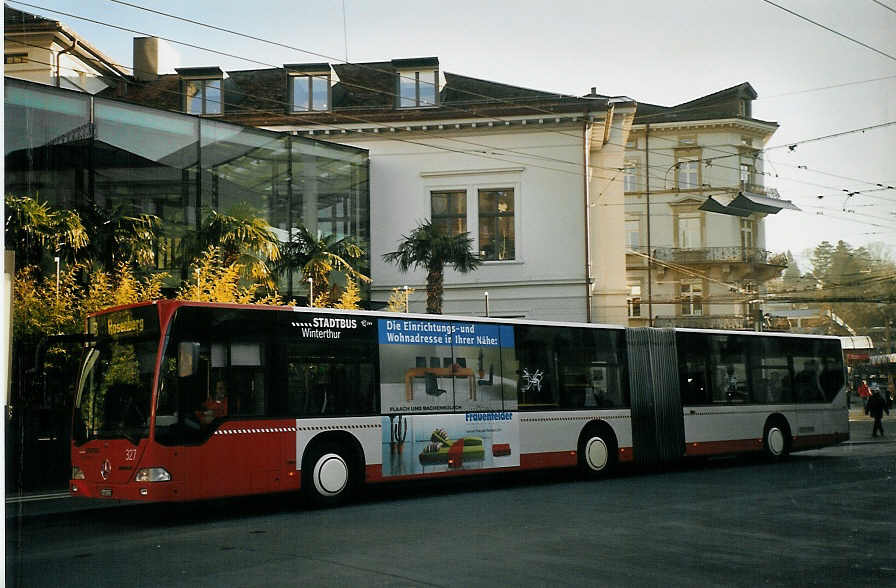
(864, 393)
(876, 407)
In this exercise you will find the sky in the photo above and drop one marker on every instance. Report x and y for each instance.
(812, 81)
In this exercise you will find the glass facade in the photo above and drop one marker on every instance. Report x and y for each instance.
(72, 150)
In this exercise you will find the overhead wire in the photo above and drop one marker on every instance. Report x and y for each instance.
(830, 87)
(358, 119)
(681, 269)
(827, 28)
(479, 154)
(365, 66)
(890, 8)
(615, 171)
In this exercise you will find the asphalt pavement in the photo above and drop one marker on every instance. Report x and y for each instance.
(28, 504)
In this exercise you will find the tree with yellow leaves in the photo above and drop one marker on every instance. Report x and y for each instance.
(211, 279)
(350, 297)
(398, 299)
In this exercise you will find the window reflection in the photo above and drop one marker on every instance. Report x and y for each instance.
(449, 211)
(496, 224)
(138, 160)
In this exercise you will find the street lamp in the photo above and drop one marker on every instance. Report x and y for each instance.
(486, 303)
(310, 293)
(56, 259)
(666, 176)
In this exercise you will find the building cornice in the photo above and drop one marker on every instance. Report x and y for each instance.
(392, 128)
(751, 125)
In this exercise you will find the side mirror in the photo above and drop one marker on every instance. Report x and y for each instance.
(187, 359)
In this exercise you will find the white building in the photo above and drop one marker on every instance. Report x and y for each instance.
(534, 177)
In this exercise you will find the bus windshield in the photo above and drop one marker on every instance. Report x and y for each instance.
(115, 390)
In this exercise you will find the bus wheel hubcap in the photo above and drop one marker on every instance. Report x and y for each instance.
(596, 454)
(330, 474)
(775, 441)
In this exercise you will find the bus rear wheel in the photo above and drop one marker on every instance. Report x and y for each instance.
(776, 439)
(329, 475)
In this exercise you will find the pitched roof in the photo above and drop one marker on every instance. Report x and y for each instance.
(365, 92)
(17, 21)
(25, 20)
(725, 103)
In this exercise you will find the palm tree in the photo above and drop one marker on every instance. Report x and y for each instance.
(429, 247)
(243, 237)
(117, 237)
(318, 256)
(32, 227)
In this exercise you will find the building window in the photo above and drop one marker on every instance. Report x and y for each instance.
(13, 58)
(747, 173)
(310, 93)
(633, 234)
(417, 88)
(747, 235)
(334, 215)
(634, 300)
(630, 183)
(449, 211)
(690, 231)
(203, 96)
(496, 225)
(687, 173)
(691, 297)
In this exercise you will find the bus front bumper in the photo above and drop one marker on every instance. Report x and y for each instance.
(129, 491)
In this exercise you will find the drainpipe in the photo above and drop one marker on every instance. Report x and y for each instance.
(58, 55)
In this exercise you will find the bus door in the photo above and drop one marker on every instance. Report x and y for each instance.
(657, 417)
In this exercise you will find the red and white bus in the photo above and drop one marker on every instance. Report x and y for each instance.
(184, 401)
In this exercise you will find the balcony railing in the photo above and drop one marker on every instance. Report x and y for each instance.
(759, 189)
(729, 323)
(703, 255)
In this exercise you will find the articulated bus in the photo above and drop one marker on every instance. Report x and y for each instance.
(182, 401)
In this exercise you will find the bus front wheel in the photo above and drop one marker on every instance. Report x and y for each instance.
(329, 476)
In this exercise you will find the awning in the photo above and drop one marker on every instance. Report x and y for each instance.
(746, 203)
(856, 342)
(713, 205)
(758, 203)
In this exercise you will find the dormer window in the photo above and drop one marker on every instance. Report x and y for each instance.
(418, 82)
(309, 87)
(202, 90)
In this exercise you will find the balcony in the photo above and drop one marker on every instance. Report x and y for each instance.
(728, 323)
(759, 189)
(709, 255)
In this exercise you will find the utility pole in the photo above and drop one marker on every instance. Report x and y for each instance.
(649, 251)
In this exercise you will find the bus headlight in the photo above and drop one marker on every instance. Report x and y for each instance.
(77, 474)
(153, 475)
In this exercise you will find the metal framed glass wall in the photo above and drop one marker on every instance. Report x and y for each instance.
(71, 150)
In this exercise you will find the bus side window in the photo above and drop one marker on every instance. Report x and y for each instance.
(247, 376)
(771, 374)
(728, 359)
(694, 382)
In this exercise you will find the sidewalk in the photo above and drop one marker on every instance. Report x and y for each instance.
(858, 414)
